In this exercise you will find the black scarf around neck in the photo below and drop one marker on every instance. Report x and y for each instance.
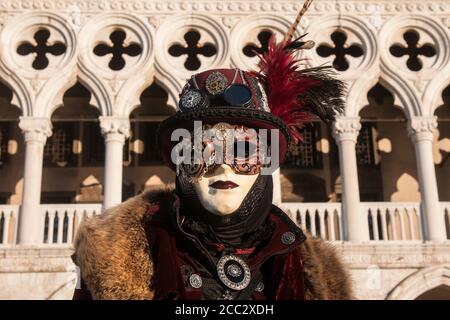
(244, 228)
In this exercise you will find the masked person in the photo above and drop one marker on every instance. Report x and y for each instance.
(217, 235)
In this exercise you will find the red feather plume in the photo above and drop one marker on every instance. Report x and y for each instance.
(280, 73)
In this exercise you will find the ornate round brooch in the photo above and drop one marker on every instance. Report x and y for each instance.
(287, 238)
(195, 281)
(216, 83)
(233, 272)
(192, 99)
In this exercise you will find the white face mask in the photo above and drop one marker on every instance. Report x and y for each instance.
(222, 191)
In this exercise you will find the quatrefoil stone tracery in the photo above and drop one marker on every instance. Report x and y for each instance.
(251, 49)
(413, 50)
(117, 50)
(41, 49)
(340, 49)
(192, 48)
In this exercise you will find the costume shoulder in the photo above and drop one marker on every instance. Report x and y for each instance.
(112, 251)
(326, 277)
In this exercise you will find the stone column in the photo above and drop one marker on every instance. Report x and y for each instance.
(421, 132)
(345, 132)
(115, 130)
(36, 131)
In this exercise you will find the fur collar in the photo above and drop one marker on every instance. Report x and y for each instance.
(112, 252)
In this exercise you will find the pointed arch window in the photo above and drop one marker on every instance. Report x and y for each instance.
(305, 154)
(3, 145)
(58, 149)
(365, 146)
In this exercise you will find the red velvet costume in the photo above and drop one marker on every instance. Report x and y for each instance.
(145, 262)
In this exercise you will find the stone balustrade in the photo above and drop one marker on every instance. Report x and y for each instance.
(386, 221)
(393, 220)
(320, 219)
(61, 221)
(8, 223)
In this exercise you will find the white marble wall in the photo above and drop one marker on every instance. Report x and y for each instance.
(378, 271)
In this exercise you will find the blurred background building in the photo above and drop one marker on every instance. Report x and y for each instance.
(84, 84)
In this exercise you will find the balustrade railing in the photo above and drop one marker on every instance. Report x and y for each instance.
(322, 220)
(8, 223)
(61, 221)
(446, 215)
(386, 221)
(393, 220)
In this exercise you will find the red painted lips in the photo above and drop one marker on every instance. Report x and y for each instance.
(223, 185)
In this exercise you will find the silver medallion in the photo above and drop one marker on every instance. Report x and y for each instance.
(191, 99)
(233, 272)
(216, 83)
(287, 238)
(259, 287)
(227, 295)
(195, 281)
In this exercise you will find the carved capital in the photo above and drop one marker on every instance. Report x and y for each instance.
(422, 128)
(345, 128)
(115, 127)
(35, 129)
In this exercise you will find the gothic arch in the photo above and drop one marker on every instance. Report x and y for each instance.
(357, 96)
(172, 84)
(432, 98)
(21, 97)
(421, 281)
(172, 92)
(61, 103)
(46, 104)
(100, 95)
(12, 99)
(407, 97)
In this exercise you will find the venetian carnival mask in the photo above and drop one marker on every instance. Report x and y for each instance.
(229, 160)
(222, 190)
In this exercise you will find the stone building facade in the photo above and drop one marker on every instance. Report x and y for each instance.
(83, 85)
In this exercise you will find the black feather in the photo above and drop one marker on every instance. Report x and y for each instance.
(325, 100)
(295, 44)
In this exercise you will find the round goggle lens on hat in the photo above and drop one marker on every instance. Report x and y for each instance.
(238, 95)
